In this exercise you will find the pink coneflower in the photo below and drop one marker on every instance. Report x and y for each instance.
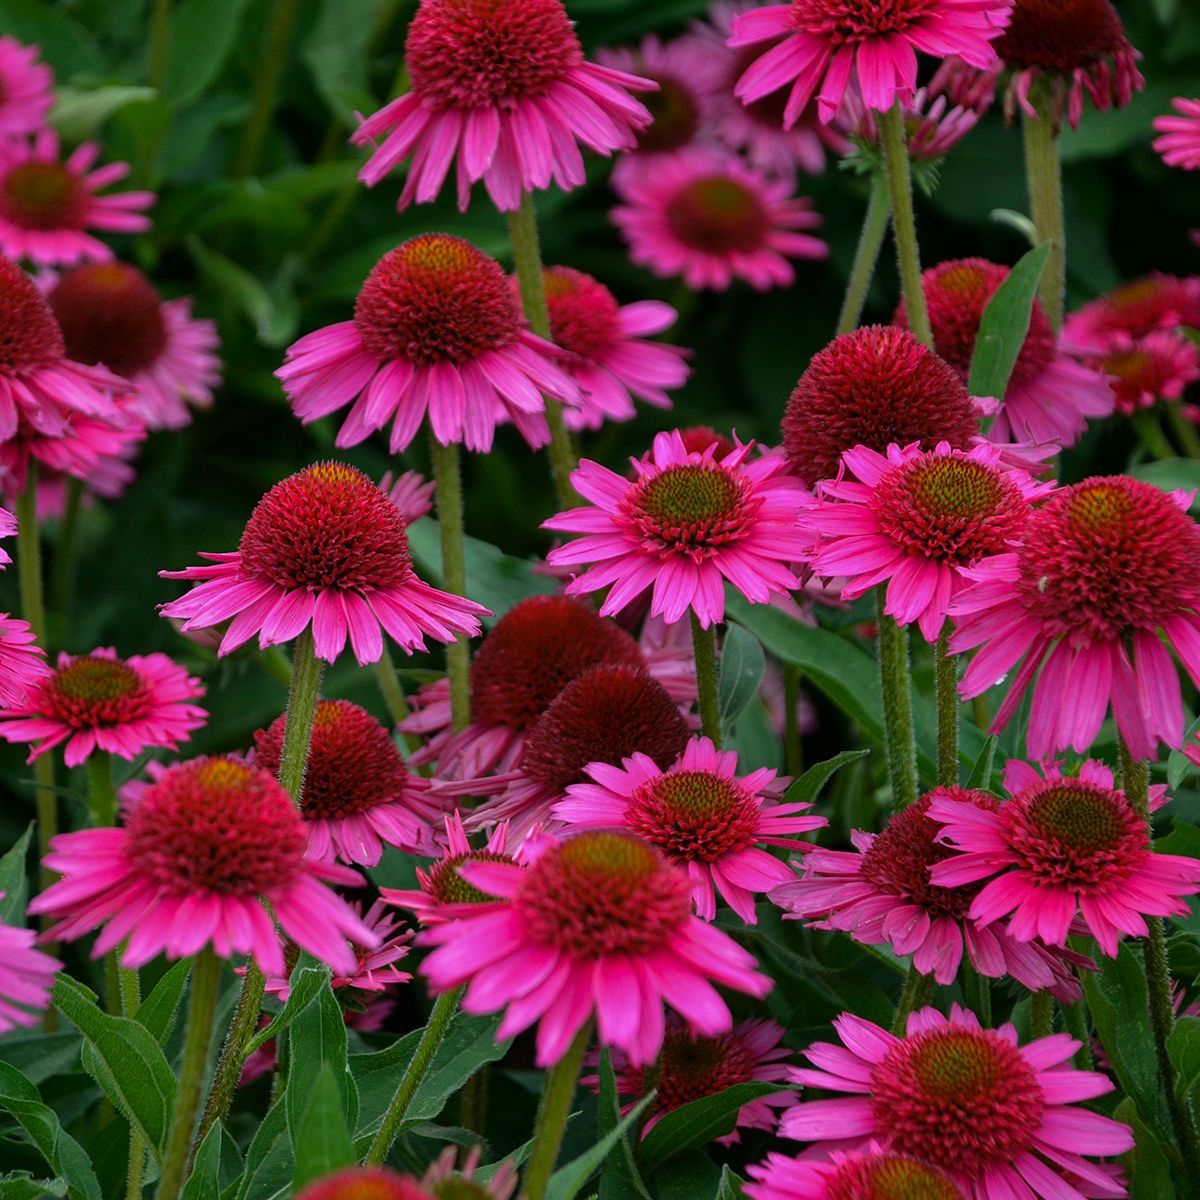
(1077, 47)
(98, 702)
(26, 88)
(881, 893)
(1179, 144)
(358, 795)
(26, 974)
(437, 331)
(1106, 567)
(708, 218)
(827, 44)
(684, 525)
(326, 549)
(873, 387)
(1049, 397)
(914, 519)
(364, 1183)
(598, 923)
(411, 493)
(501, 85)
(689, 1068)
(47, 205)
(999, 1118)
(701, 816)
(1158, 367)
(608, 352)
(1061, 846)
(110, 313)
(197, 854)
(448, 1181)
(22, 661)
(872, 1175)
(1119, 319)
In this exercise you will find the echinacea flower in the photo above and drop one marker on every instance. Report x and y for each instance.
(873, 387)
(873, 1174)
(411, 493)
(1119, 319)
(701, 816)
(442, 1181)
(98, 702)
(110, 313)
(683, 526)
(502, 87)
(1105, 569)
(827, 44)
(190, 866)
(363, 1183)
(1179, 140)
(1061, 846)
(600, 923)
(999, 1118)
(608, 351)
(22, 661)
(358, 794)
(47, 205)
(26, 88)
(1049, 397)
(1158, 367)
(914, 519)
(437, 332)
(324, 549)
(448, 1179)
(26, 974)
(882, 893)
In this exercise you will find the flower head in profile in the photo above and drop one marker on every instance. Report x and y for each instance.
(110, 313)
(98, 702)
(1105, 584)
(821, 47)
(706, 217)
(26, 974)
(437, 332)
(48, 205)
(1179, 136)
(1119, 319)
(364, 1183)
(914, 519)
(1158, 367)
(684, 525)
(997, 1117)
(501, 92)
(22, 661)
(26, 88)
(324, 549)
(411, 493)
(597, 923)
(701, 816)
(872, 1174)
(196, 856)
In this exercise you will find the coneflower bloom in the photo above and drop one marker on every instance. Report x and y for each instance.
(47, 205)
(701, 816)
(1105, 569)
(683, 526)
(364, 1183)
(914, 519)
(1119, 319)
(999, 1118)
(26, 88)
(881, 893)
(608, 351)
(358, 794)
(99, 702)
(411, 493)
(873, 1174)
(324, 549)
(438, 332)
(827, 44)
(190, 866)
(1049, 397)
(600, 923)
(22, 661)
(1060, 847)
(1179, 140)
(446, 1180)
(873, 387)
(703, 215)
(110, 313)
(26, 974)
(502, 87)
(1158, 367)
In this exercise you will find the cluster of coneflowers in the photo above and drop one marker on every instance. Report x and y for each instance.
(590, 853)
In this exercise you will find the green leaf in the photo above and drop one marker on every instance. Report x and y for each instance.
(319, 1040)
(981, 772)
(217, 1162)
(157, 1012)
(273, 317)
(336, 53)
(39, 1055)
(808, 787)
(126, 1061)
(1004, 324)
(1183, 1048)
(1179, 766)
(322, 1140)
(62, 39)
(619, 1180)
(79, 114)
(269, 1160)
(307, 983)
(1149, 1171)
(20, 1185)
(731, 1185)
(64, 1154)
(14, 883)
(742, 665)
(203, 32)
(568, 1181)
(1171, 475)
(1016, 220)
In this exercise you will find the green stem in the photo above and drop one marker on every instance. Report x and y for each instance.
(918, 991)
(704, 650)
(394, 697)
(896, 688)
(202, 1007)
(1041, 1015)
(553, 1110)
(527, 258)
(945, 669)
(64, 553)
(160, 41)
(1183, 429)
(242, 1028)
(870, 242)
(269, 76)
(1043, 177)
(1150, 431)
(102, 796)
(447, 474)
(434, 1033)
(131, 1000)
(1077, 1026)
(977, 990)
(904, 224)
(793, 756)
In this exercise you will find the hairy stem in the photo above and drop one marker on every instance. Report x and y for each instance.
(896, 688)
(447, 474)
(870, 242)
(945, 669)
(918, 991)
(553, 1110)
(704, 650)
(1043, 177)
